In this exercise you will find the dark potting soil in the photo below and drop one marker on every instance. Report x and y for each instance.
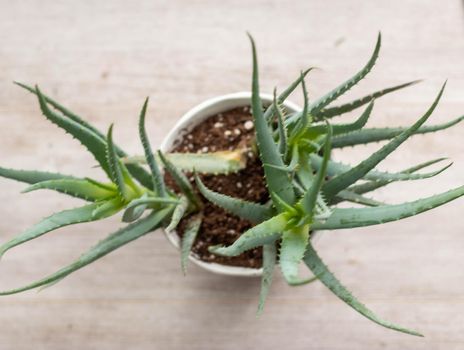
(225, 131)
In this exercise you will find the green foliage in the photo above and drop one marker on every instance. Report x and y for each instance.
(331, 96)
(304, 184)
(191, 231)
(362, 137)
(253, 212)
(264, 233)
(181, 181)
(79, 188)
(342, 181)
(158, 181)
(31, 176)
(350, 106)
(319, 269)
(64, 218)
(358, 217)
(277, 180)
(104, 247)
(290, 150)
(138, 172)
(269, 262)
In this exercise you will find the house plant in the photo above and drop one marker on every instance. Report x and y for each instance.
(303, 184)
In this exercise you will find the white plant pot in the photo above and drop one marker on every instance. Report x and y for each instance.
(188, 121)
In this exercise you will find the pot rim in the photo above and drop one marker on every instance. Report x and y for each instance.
(191, 118)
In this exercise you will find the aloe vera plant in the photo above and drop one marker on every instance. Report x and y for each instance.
(304, 183)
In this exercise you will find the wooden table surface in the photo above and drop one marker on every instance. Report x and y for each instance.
(102, 59)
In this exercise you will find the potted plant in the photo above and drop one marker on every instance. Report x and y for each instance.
(248, 180)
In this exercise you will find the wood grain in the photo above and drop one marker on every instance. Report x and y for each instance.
(102, 59)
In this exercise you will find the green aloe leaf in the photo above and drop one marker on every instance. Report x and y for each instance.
(181, 181)
(79, 188)
(116, 167)
(135, 211)
(342, 181)
(344, 128)
(191, 230)
(309, 199)
(304, 120)
(277, 180)
(270, 111)
(331, 96)
(337, 168)
(56, 221)
(94, 144)
(264, 233)
(158, 180)
(31, 176)
(178, 213)
(365, 136)
(319, 269)
(253, 212)
(269, 262)
(283, 137)
(152, 201)
(108, 208)
(356, 217)
(292, 249)
(350, 106)
(373, 185)
(104, 247)
(349, 196)
(137, 171)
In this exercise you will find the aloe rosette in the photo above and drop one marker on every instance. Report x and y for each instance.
(304, 183)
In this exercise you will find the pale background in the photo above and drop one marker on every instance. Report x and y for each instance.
(102, 58)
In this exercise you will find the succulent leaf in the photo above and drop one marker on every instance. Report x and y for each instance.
(269, 262)
(133, 213)
(31, 176)
(337, 168)
(342, 181)
(94, 144)
(283, 138)
(350, 106)
(264, 233)
(322, 102)
(178, 214)
(251, 211)
(53, 222)
(349, 196)
(361, 137)
(277, 180)
(268, 114)
(181, 181)
(319, 269)
(115, 166)
(309, 199)
(80, 188)
(104, 247)
(158, 180)
(304, 120)
(108, 208)
(137, 171)
(373, 185)
(356, 217)
(191, 230)
(292, 249)
(344, 128)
